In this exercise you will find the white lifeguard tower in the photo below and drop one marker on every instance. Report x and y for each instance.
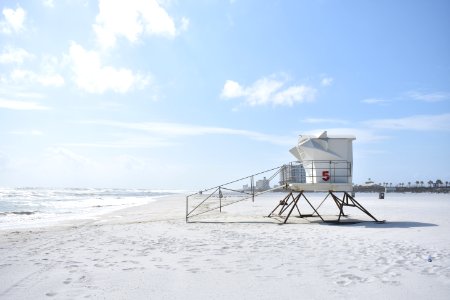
(327, 160)
(324, 164)
(328, 163)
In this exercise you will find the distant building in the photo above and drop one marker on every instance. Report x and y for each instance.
(369, 183)
(262, 185)
(389, 189)
(292, 173)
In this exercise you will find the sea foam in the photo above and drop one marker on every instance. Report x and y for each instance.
(32, 207)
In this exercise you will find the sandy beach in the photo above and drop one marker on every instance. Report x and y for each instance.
(150, 252)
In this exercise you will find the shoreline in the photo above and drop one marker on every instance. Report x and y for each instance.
(57, 219)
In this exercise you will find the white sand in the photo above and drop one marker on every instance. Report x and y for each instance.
(149, 252)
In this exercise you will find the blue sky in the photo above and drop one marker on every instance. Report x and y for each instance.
(189, 94)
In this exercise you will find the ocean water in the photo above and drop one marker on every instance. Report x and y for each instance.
(33, 207)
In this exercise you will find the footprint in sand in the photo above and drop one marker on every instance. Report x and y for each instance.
(194, 270)
(347, 279)
(393, 274)
(164, 267)
(432, 270)
(343, 282)
(385, 279)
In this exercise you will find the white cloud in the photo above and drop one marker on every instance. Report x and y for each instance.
(232, 89)
(166, 130)
(269, 91)
(374, 101)
(90, 75)
(13, 20)
(125, 142)
(412, 95)
(326, 81)
(46, 74)
(12, 55)
(55, 80)
(289, 96)
(131, 19)
(262, 91)
(32, 132)
(184, 24)
(64, 156)
(45, 79)
(21, 105)
(129, 162)
(418, 122)
(428, 97)
(48, 3)
(13, 93)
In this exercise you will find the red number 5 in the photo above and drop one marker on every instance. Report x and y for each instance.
(325, 175)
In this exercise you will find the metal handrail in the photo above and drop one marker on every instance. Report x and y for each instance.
(240, 200)
(246, 194)
(234, 181)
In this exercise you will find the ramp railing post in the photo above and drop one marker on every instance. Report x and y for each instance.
(187, 208)
(253, 188)
(220, 200)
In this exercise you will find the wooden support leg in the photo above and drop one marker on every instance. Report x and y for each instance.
(340, 205)
(356, 203)
(315, 210)
(282, 203)
(286, 203)
(295, 204)
(292, 202)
